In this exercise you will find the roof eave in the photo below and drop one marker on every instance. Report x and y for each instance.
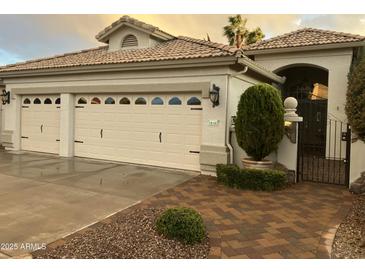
(166, 64)
(260, 70)
(305, 48)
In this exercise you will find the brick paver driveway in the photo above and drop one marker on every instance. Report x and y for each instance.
(299, 222)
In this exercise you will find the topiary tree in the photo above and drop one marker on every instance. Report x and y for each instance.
(355, 99)
(260, 121)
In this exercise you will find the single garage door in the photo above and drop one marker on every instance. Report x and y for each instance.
(40, 123)
(159, 129)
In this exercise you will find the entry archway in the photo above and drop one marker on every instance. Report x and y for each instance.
(322, 153)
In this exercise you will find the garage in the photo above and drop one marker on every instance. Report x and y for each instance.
(154, 129)
(40, 123)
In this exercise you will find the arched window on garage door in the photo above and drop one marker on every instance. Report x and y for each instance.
(157, 101)
(26, 101)
(58, 101)
(95, 101)
(82, 101)
(124, 101)
(175, 101)
(140, 101)
(193, 101)
(109, 101)
(48, 101)
(37, 101)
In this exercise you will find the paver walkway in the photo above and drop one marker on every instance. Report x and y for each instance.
(299, 222)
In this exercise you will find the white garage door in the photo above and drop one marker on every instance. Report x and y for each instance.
(161, 130)
(40, 123)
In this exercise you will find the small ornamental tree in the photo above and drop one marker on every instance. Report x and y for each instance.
(260, 121)
(355, 99)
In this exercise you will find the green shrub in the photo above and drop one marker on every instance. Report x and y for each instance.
(253, 179)
(259, 124)
(355, 99)
(183, 224)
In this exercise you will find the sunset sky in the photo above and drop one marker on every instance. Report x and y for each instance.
(24, 37)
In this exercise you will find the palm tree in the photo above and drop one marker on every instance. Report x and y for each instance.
(237, 33)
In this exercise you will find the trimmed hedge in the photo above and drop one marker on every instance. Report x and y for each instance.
(253, 179)
(259, 124)
(183, 224)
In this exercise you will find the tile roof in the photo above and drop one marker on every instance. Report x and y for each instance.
(133, 21)
(305, 37)
(174, 49)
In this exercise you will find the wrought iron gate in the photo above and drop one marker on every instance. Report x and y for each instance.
(323, 149)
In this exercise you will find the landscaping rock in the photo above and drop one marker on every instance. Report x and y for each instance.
(349, 242)
(126, 236)
(358, 187)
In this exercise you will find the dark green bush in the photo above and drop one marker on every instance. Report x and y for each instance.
(355, 99)
(259, 124)
(183, 224)
(253, 179)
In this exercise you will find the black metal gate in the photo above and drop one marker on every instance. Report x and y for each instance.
(323, 146)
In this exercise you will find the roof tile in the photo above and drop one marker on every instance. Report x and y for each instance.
(174, 49)
(305, 37)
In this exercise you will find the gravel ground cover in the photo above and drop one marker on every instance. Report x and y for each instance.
(349, 242)
(129, 236)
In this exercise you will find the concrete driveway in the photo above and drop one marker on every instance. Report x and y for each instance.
(45, 197)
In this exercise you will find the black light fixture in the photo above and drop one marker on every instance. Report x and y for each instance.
(5, 97)
(214, 95)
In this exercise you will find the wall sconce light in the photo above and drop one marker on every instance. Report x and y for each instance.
(290, 131)
(214, 95)
(5, 97)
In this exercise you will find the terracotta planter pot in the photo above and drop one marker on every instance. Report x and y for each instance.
(250, 163)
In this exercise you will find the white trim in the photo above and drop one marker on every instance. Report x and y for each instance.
(166, 64)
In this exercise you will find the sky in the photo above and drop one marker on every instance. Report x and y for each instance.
(25, 37)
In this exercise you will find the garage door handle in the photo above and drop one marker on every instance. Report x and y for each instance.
(101, 133)
(160, 137)
(41, 128)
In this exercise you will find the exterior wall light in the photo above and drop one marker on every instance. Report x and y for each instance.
(214, 95)
(290, 131)
(5, 97)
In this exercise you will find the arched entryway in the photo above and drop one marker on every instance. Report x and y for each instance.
(309, 85)
(322, 140)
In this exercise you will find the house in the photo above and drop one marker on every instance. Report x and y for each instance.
(148, 97)
(142, 98)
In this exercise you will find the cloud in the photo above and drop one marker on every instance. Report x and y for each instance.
(32, 36)
(25, 37)
(8, 58)
(350, 23)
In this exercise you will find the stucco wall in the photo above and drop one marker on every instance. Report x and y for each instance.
(357, 164)
(237, 87)
(337, 62)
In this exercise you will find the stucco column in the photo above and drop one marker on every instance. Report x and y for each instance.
(67, 125)
(16, 109)
(287, 153)
(213, 148)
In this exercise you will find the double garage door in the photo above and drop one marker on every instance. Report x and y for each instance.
(154, 129)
